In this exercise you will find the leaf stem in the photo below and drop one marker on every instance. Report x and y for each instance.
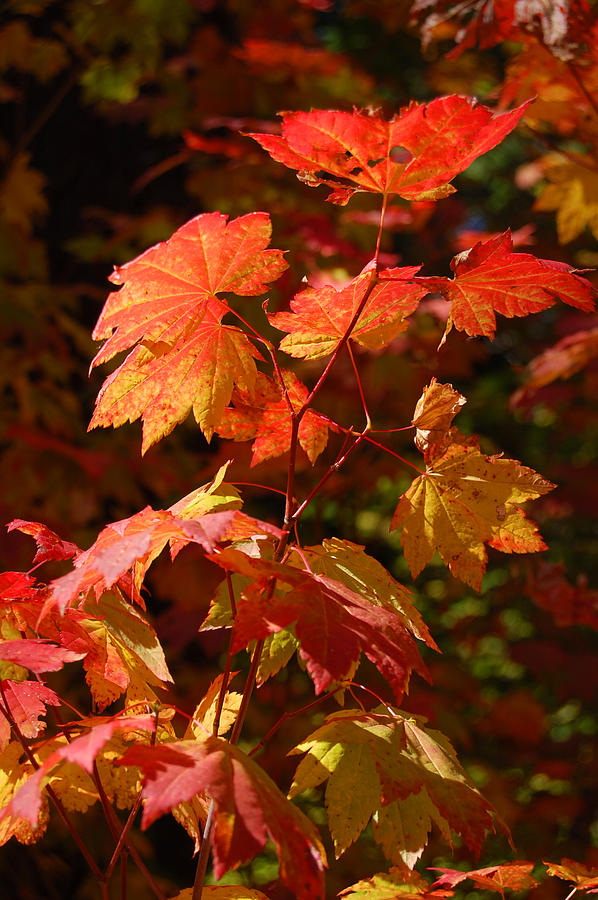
(368, 421)
(380, 229)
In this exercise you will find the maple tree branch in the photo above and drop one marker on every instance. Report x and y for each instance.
(354, 319)
(249, 684)
(115, 827)
(373, 693)
(392, 453)
(204, 855)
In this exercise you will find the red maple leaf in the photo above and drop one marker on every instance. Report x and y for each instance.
(320, 316)
(128, 547)
(249, 807)
(17, 586)
(414, 156)
(185, 357)
(332, 623)
(36, 655)
(26, 701)
(49, 545)
(490, 278)
(515, 876)
(267, 418)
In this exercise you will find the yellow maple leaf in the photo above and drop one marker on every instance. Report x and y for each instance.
(463, 501)
(573, 193)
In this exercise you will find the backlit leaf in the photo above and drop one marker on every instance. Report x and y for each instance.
(321, 316)
(265, 418)
(585, 878)
(462, 501)
(49, 545)
(397, 884)
(414, 156)
(332, 622)
(249, 807)
(126, 548)
(434, 413)
(83, 750)
(185, 357)
(490, 278)
(26, 702)
(397, 759)
(573, 192)
(515, 876)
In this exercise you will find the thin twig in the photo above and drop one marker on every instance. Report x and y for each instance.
(284, 718)
(368, 420)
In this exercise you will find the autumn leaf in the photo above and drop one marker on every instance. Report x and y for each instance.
(585, 878)
(434, 413)
(36, 655)
(414, 156)
(489, 278)
(249, 807)
(320, 317)
(352, 566)
(49, 545)
(389, 768)
(562, 360)
(203, 719)
(223, 892)
(397, 884)
(332, 623)
(14, 772)
(265, 418)
(27, 801)
(26, 702)
(515, 876)
(558, 26)
(185, 357)
(215, 496)
(573, 192)
(462, 501)
(128, 547)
